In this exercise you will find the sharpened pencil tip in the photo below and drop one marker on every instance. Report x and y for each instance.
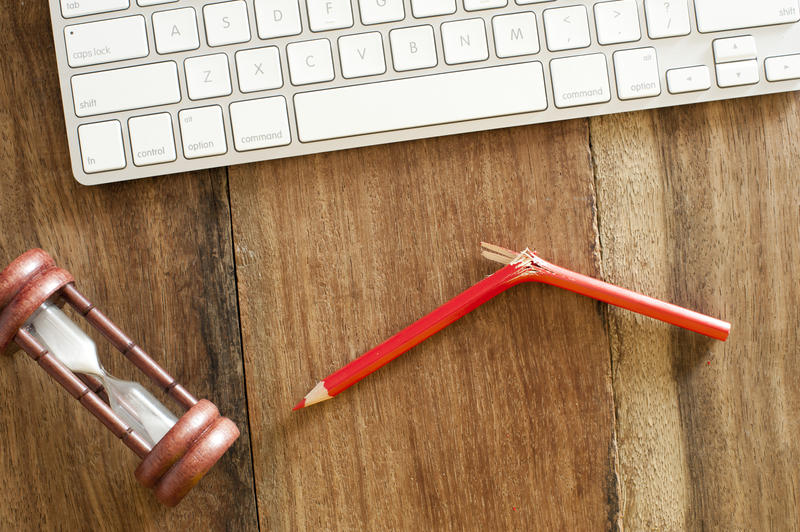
(300, 405)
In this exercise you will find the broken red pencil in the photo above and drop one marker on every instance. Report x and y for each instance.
(520, 267)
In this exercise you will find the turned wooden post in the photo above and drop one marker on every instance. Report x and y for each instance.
(186, 452)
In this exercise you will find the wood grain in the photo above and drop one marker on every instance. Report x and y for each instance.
(502, 421)
(701, 205)
(156, 256)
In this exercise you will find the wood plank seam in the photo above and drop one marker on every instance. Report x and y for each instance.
(615, 490)
(241, 338)
(472, 459)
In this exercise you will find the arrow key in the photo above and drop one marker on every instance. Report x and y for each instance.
(734, 49)
(738, 73)
(783, 67)
(688, 79)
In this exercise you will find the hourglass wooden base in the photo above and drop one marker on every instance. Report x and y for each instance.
(186, 452)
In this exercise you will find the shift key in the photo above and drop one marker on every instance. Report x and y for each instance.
(721, 15)
(124, 89)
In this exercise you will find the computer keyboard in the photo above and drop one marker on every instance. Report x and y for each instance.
(153, 87)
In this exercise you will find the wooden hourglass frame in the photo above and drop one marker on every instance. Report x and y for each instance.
(186, 452)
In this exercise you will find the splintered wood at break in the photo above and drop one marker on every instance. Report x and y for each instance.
(519, 267)
(498, 254)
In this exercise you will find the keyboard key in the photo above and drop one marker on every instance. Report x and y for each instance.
(421, 101)
(354, 93)
(152, 139)
(106, 41)
(617, 21)
(580, 80)
(78, 8)
(175, 30)
(326, 15)
(379, 11)
(783, 67)
(124, 89)
(738, 73)
(464, 41)
(432, 8)
(515, 34)
(207, 76)
(277, 18)
(362, 55)
(734, 49)
(566, 28)
(688, 79)
(721, 15)
(226, 23)
(477, 5)
(101, 146)
(637, 73)
(413, 48)
(667, 19)
(259, 69)
(202, 132)
(260, 124)
(310, 61)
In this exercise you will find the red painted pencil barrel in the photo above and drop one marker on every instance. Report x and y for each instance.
(621, 297)
(531, 268)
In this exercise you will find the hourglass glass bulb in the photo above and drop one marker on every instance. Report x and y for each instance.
(136, 406)
(73, 348)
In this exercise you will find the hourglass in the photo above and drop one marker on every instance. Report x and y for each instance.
(175, 452)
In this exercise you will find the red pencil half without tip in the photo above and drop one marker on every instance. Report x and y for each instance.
(519, 267)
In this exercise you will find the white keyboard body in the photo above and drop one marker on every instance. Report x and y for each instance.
(174, 86)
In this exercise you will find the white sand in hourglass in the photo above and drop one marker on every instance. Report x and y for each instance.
(73, 348)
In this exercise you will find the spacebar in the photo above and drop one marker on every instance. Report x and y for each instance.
(421, 101)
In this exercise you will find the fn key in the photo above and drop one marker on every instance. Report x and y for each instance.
(101, 146)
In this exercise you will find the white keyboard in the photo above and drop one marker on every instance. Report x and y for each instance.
(153, 87)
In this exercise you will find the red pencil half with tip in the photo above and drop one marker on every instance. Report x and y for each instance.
(519, 267)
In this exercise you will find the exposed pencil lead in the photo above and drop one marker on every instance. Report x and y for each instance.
(318, 394)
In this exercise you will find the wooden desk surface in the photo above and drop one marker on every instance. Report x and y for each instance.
(542, 410)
